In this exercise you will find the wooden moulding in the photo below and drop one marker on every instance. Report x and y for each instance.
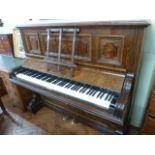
(91, 23)
(123, 104)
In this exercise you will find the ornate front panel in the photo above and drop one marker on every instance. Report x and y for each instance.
(110, 49)
(32, 43)
(83, 45)
(114, 48)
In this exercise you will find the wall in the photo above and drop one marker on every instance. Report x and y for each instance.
(9, 24)
(145, 76)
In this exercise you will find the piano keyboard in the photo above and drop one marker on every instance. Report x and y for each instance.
(101, 97)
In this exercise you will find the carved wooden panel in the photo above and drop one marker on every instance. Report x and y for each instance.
(6, 44)
(101, 45)
(32, 43)
(83, 45)
(110, 49)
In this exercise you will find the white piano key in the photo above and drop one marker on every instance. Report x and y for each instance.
(68, 91)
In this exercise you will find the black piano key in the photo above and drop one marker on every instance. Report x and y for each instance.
(34, 75)
(96, 89)
(69, 84)
(110, 97)
(20, 70)
(90, 89)
(40, 76)
(56, 81)
(45, 78)
(113, 102)
(85, 90)
(63, 83)
(101, 95)
(66, 86)
(27, 71)
(82, 86)
(50, 79)
(101, 91)
(86, 87)
(79, 86)
(93, 89)
(75, 86)
(81, 90)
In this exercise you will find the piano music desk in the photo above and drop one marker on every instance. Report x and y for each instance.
(19, 96)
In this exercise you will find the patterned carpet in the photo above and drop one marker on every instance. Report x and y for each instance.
(45, 122)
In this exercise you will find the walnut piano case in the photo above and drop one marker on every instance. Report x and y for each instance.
(107, 55)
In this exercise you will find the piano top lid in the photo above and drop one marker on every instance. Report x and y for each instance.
(48, 23)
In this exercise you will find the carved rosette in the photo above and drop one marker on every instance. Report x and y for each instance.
(110, 49)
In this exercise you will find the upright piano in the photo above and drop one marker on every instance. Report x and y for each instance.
(86, 70)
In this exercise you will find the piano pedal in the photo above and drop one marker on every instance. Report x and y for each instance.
(69, 119)
(66, 118)
(35, 104)
(72, 121)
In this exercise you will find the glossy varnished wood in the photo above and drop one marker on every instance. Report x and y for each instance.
(18, 95)
(107, 54)
(90, 23)
(101, 78)
(115, 48)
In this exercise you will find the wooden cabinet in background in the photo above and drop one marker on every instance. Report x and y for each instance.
(6, 44)
(149, 121)
(2, 87)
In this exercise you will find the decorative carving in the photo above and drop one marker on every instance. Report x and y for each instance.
(32, 42)
(83, 45)
(110, 49)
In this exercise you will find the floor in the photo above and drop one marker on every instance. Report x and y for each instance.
(45, 122)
